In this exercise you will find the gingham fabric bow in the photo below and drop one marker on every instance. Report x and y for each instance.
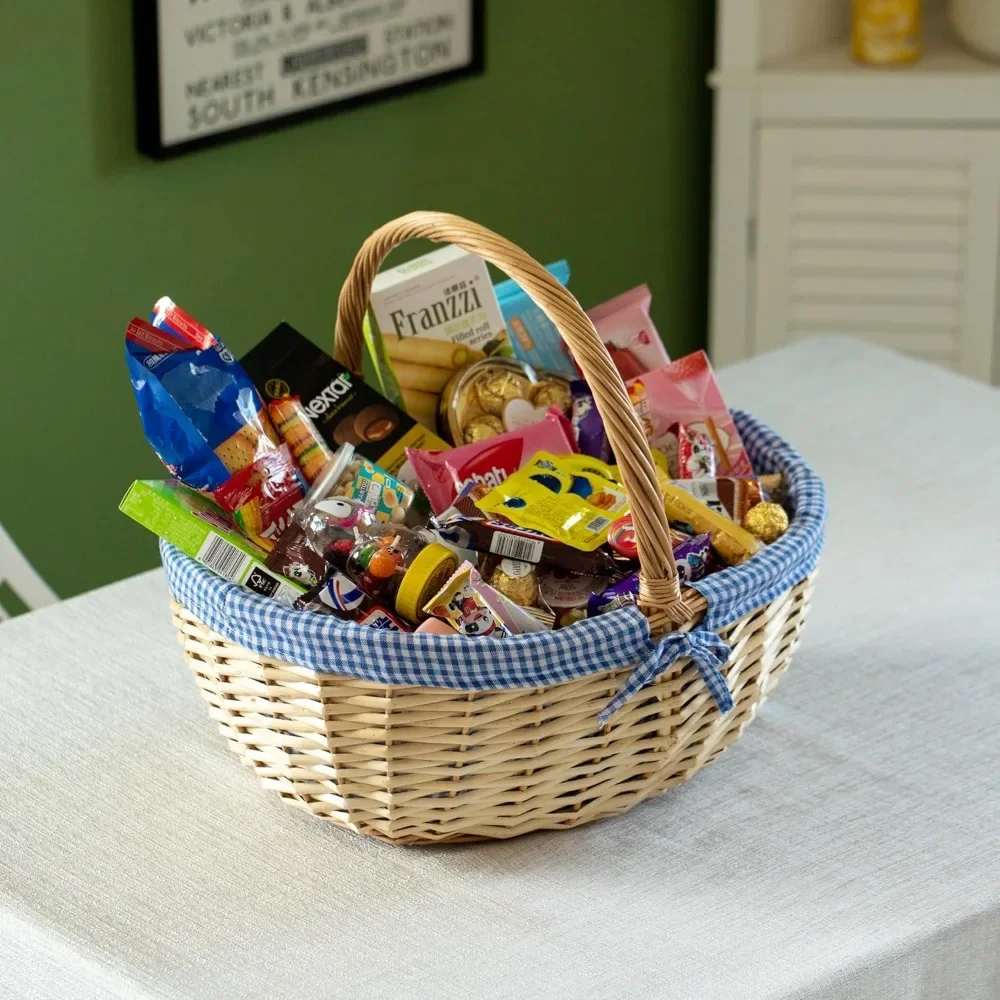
(707, 649)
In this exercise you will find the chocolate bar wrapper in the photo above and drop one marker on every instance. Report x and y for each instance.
(691, 557)
(468, 526)
(731, 497)
(692, 554)
(341, 405)
(296, 555)
(591, 438)
(322, 532)
(617, 595)
(295, 558)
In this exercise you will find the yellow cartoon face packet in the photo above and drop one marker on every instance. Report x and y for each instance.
(571, 498)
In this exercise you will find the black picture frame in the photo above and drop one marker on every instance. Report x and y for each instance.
(145, 43)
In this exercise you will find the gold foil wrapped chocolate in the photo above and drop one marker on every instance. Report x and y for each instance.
(516, 580)
(482, 428)
(549, 392)
(496, 387)
(494, 395)
(766, 521)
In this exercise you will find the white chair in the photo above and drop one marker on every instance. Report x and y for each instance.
(21, 577)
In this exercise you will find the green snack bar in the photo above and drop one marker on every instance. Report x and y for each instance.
(201, 529)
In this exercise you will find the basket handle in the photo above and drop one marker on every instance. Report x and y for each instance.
(659, 590)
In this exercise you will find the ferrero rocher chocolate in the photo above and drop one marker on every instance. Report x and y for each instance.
(516, 580)
(766, 521)
(496, 388)
(482, 428)
(505, 390)
(552, 393)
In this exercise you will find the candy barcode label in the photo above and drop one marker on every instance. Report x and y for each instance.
(516, 547)
(705, 490)
(223, 557)
(598, 523)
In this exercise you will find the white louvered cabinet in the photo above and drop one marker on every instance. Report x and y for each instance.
(890, 235)
(852, 200)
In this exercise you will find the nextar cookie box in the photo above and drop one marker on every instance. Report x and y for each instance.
(343, 408)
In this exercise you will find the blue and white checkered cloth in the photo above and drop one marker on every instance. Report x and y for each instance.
(618, 639)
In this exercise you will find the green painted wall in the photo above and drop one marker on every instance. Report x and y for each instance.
(590, 141)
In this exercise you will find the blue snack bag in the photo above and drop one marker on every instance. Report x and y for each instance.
(199, 409)
(533, 336)
(207, 423)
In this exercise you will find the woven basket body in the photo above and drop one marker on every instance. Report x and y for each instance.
(417, 738)
(412, 764)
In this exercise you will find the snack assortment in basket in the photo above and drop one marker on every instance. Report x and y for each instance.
(311, 486)
(526, 606)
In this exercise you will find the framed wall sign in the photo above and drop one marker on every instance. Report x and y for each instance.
(208, 71)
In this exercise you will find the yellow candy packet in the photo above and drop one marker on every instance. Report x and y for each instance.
(567, 497)
(585, 465)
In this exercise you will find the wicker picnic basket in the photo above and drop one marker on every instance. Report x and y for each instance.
(353, 743)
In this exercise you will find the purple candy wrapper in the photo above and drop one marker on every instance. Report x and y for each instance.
(619, 594)
(588, 426)
(691, 557)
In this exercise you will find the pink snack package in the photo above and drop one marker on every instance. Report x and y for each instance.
(685, 392)
(444, 474)
(628, 333)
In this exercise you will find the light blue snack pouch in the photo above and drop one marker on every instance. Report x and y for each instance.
(534, 338)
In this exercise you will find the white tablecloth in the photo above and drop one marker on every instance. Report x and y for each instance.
(847, 846)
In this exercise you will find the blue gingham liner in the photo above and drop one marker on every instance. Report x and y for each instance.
(614, 640)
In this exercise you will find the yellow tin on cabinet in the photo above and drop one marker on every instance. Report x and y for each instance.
(886, 32)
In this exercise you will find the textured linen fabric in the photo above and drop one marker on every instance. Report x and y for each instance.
(848, 846)
(616, 639)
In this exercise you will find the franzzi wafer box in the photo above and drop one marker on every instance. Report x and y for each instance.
(428, 318)
(201, 529)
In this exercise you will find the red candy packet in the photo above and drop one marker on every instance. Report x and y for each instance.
(263, 496)
(690, 454)
(443, 475)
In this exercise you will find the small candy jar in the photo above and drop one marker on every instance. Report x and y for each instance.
(380, 558)
(331, 527)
